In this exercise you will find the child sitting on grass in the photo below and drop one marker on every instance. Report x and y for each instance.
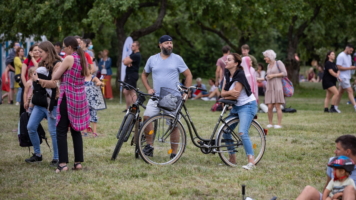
(342, 169)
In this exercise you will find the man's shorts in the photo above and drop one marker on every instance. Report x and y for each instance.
(152, 109)
(12, 79)
(345, 83)
(131, 79)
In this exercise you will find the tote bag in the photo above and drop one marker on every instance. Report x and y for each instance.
(288, 88)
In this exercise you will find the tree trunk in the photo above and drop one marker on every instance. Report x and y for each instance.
(292, 65)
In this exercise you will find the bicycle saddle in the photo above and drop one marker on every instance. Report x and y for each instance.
(226, 101)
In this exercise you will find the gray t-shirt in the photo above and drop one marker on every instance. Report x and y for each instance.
(344, 60)
(165, 72)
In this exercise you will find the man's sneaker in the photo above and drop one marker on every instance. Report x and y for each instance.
(148, 150)
(34, 159)
(337, 110)
(249, 166)
(173, 155)
(205, 98)
(333, 110)
(53, 163)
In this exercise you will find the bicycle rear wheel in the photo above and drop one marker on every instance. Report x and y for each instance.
(233, 143)
(159, 143)
(125, 132)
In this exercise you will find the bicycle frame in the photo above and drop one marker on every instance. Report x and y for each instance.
(206, 143)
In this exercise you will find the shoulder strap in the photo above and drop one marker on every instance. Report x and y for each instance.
(278, 66)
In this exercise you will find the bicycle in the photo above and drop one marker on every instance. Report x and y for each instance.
(167, 147)
(132, 118)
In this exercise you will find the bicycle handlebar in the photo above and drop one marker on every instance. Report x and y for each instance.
(136, 89)
(185, 89)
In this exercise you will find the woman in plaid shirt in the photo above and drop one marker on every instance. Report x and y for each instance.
(73, 109)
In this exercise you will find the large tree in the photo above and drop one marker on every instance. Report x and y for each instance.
(151, 15)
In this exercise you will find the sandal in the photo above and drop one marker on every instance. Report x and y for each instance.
(61, 168)
(77, 166)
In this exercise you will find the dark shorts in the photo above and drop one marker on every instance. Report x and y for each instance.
(131, 79)
(328, 84)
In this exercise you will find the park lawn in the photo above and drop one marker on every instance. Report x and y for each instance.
(295, 156)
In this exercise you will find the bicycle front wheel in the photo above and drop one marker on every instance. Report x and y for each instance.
(125, 132)
(231, 143)
(159, 142)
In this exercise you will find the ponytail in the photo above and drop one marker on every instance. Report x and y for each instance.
(83, 62)
(72, 41)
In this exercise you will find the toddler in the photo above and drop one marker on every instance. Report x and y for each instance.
(342, 169)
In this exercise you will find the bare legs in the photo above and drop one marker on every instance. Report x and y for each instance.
(331, 93)
(309, 193)
(174, 137)
(279, 113)
(130, 97)
(350, 94)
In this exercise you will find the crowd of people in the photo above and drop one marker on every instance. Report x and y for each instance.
(53, 79)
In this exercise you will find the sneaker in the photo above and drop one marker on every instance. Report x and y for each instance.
(333, 110)
(148, 150)
(212, 99)
(277, 126)
(249, 166)
(337, 110)
(17, 103)
(173, 155)
(205, 98)
(53, 163)
(269, 126)
(326, 110)
(34, 159)
(124, 111)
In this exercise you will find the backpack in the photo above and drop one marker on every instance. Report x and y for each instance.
(217, 107)
(289, 110)
(24, 138)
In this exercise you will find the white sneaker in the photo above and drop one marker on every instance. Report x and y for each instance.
(249, 166)
(269, 126)
(212, 99)
(17, 103)
(277, 126)
(205, 98)
(337, 110)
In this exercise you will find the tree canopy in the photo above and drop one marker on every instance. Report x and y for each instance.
(200, 28)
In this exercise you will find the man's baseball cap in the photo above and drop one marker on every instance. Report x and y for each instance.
(165, 38)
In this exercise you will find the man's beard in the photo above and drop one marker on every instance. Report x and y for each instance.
(166, 51)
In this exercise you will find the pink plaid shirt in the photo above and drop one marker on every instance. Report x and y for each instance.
(72, 85)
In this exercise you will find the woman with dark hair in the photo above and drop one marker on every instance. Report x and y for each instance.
(32, 60)
(44, 99)
(331, 75)
(73, 109)
(236, 87)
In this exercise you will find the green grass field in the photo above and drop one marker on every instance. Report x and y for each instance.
(295, 156)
